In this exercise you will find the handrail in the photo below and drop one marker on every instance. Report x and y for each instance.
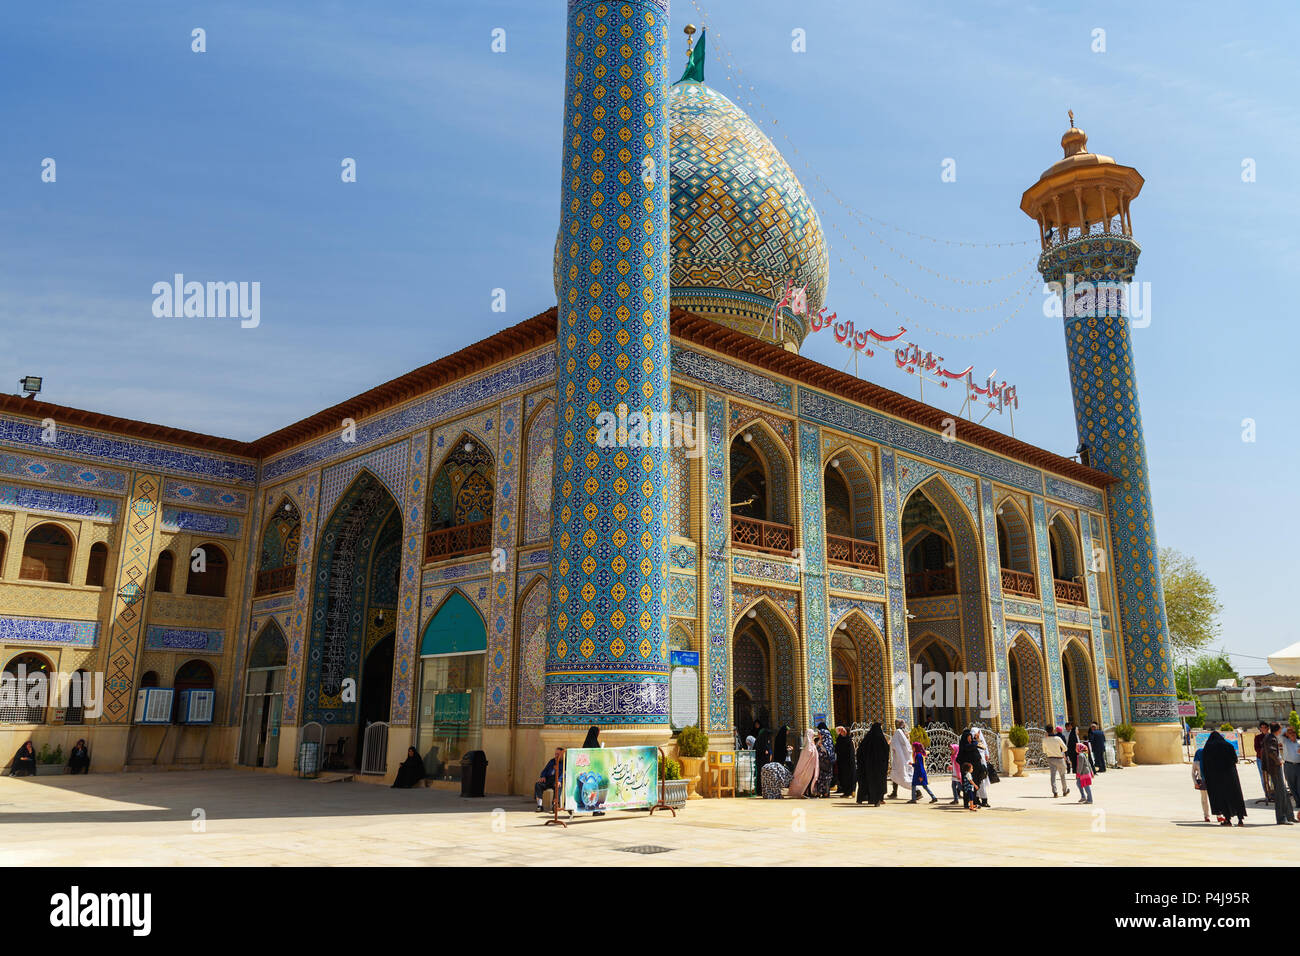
(853, 551)
(1018, 582)
(274, 579)
(1069, 591)
(937, 581)
(458, 540)
(759, 535)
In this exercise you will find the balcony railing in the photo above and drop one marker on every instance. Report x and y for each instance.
(853, 551)
(762, 535)
(1018, 582)
(275, 579)
(1069, 592)
(925, 583)
(458, 540)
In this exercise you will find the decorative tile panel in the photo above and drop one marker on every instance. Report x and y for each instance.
(52, 471)
(184, 639)
(58, 502)
(48, 632)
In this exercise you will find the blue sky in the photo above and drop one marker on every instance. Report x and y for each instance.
(225, 166)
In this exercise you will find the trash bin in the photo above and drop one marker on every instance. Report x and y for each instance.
(473, 772)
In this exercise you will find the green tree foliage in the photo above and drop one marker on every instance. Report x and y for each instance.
(1207, 670)
(1191, 602)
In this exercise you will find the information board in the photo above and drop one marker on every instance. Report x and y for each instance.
(684, 690)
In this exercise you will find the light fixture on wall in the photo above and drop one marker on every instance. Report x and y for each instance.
(844, 625)
(469, 448)
(751, 614)
(835, 463)
(748, 436)
(1001, 512)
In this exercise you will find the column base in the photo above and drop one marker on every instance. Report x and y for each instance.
(1158, 743)
(571, 735)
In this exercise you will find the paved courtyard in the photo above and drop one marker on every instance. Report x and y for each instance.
(1144, 815)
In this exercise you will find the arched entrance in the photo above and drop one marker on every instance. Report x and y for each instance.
(861, 671)
(1075, 669)
(935, 672)
(453, 651)
(1025, 663)
(945, 607)
(259, 743)
(353, 609)
(762, 670)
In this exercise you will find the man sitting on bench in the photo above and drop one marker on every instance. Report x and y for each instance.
(547, 780)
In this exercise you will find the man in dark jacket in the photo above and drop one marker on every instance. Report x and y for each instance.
(1273, 766)
(1097, 742)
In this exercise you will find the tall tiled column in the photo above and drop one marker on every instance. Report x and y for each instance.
(1109, 418)
(607, 658)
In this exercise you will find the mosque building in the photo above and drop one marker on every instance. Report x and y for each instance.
(458, 560)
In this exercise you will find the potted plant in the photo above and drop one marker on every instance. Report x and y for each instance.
(676, 790)
(1019, 738)
(692, 747)
(49, 761)
(1124, 733)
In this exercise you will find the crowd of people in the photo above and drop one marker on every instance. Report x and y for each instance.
(878, 764)
(1277, 757)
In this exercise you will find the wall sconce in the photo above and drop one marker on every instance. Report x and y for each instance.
(751, 614)
(748, 436)
(835, 463)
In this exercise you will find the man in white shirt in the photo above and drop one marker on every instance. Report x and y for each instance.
(1054, 751)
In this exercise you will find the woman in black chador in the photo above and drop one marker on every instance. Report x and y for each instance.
(844, 764)
(778, 748)
(79, 759)
(873, 766)
(1219, 770)
(592, 739)
(410, 772)
(24, 763)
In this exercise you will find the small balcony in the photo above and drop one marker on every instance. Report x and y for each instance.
(1018, 582)
(1070, 592)
(926, 583)
(762, 535)
(853, 552)
(275, 579)
(458, 540)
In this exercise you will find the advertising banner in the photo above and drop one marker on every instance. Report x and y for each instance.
(611, 778)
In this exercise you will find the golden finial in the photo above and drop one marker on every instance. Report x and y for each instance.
(689, 30)
(1071, 112)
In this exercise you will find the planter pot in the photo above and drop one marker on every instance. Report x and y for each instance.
(49, 769)
(676, 793)
(1126, 753)
(1018, 755)
(691, 784)
(693, 770)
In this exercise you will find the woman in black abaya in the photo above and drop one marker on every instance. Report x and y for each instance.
(593, 738)
(844, 762)
(410, 772)
(24, 762)
(873, 766)
(778, 749)
(968, 752)
(1219, 770)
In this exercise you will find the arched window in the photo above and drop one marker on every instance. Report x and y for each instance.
(1014, 551)
(77, 692)
(3, 542)
(162, 577)
(97, 565)
(47, 554)
(279, 557)
(211, 580)
(149, 679)
(31, 675)
(1066, 567)
(460, 501)
(850, 521)
(760, 505)
(192, 675)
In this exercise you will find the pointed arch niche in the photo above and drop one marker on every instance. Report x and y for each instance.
(453, 654)
(460, 501)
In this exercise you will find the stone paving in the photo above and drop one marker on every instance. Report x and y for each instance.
(1143, 815)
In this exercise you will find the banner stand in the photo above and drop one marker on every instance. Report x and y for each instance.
(662, 804)
(557, 799)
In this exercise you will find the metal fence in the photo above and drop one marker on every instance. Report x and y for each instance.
(374, 751)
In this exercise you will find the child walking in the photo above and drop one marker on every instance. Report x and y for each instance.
(968, 798)
(955, 767)
(920, 780)
(1083, 772)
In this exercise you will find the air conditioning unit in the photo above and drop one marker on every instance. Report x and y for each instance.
(153, 705)
(195, 706)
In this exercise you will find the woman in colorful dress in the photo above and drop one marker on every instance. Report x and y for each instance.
(774, 779)
(920, 779)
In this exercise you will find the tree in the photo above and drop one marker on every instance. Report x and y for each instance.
(1191, 603)
(1207, 670)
